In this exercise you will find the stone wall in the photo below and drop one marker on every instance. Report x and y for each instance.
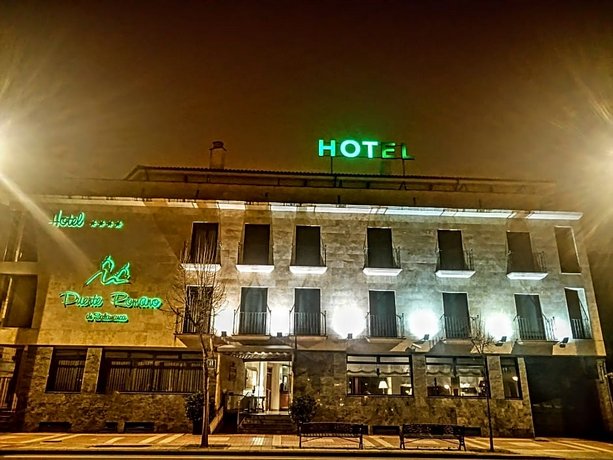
(323, 375)
(88, 411)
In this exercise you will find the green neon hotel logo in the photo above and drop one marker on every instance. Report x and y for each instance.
(63, 220)
(351, 148)
(106, 275)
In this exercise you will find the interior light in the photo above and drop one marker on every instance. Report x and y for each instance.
(383, 385)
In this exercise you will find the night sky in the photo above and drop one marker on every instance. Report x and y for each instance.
(492, 89)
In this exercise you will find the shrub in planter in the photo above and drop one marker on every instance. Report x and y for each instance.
(303, 409)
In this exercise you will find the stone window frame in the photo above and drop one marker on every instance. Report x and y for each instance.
(379, 360)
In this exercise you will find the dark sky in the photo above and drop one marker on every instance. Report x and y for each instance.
(497, 89)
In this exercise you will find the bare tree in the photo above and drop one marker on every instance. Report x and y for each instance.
(197, 294)
(482, 342)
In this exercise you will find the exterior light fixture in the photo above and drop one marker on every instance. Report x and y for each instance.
(563, 342)
(502, 340)
(349, 336)
(224, 333)
(279, 334)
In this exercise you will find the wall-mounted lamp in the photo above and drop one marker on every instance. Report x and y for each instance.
(502, 340)
(349, 336)
(563, 342)
(224, 333)
(279, 334)
(425, 338)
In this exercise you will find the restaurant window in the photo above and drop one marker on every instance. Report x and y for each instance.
(510, 378)
(379, 249)
(256, 245)
(567, 250)
(379, 375)
(203, 247)
(66, 370)
(308, 246)
(463, 377)
(150, 372)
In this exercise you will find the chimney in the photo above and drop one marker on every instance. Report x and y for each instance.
(217, 155)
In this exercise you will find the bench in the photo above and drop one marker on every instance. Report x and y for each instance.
(416, 431)
(139, 427)
(333, 430)
(54, 427)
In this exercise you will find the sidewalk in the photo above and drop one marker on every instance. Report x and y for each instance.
(287, 445)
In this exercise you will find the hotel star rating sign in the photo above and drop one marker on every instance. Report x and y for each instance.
(108, 276)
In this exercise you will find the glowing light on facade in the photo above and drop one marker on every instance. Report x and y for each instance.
(422, 323)
(499, 325)
(348, 320)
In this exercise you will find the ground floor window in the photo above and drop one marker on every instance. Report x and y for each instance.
(455, 376)
(150, 372)
(66, 370)
(510, 378)
(379, 375)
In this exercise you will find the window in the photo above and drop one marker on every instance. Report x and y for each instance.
(579, 319)
(307, 314)
(66, 370)
(510, 378)
(382, 319)
(198, 310)
(451, 250)
(455, 377)
(529, 317)
(308, 247)
(379, 375)
(150, 372)
(567, 251)
(379, 250)
(253, 311)
(203, 247)
(457, 320)
(521, 257)
(256, 245)
(19, 295)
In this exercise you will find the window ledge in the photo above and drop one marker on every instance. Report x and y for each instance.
(244, 268)
(190, 267)
(456, 397)
(372, 271)
(570, 273)
(308, 269)
(379, 396)
(455, 273)
(526, 275)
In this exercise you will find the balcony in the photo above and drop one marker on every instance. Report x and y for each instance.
(520, 267)
(456, 327)
(581, 328)
(202, 260)
(308, 324)
(253, 263)
(385, 326)
(313, 265)
(252, 322)
(392, 268)
(450, 267)
(541, 329)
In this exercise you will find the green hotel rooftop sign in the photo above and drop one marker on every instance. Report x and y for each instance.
(369, 149)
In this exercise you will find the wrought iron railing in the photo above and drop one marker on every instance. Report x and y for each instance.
(581, 328)
(456, 327)
(385, 325)
(302, 323)
(519, 263)
(196, 324)
(268, 260)
(541, 328)
(394, 260)
(320, 263)
(448, 262)
(252, 322)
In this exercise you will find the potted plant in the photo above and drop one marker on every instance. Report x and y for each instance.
(302, 409)
(193, 410)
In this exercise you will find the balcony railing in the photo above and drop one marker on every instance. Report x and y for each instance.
(581, 328)
(252, 322)
(391, 326)
(196, 324)
(541, 329)
(532, 267)
(304, 323)
(456, 327)
(448, 266)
